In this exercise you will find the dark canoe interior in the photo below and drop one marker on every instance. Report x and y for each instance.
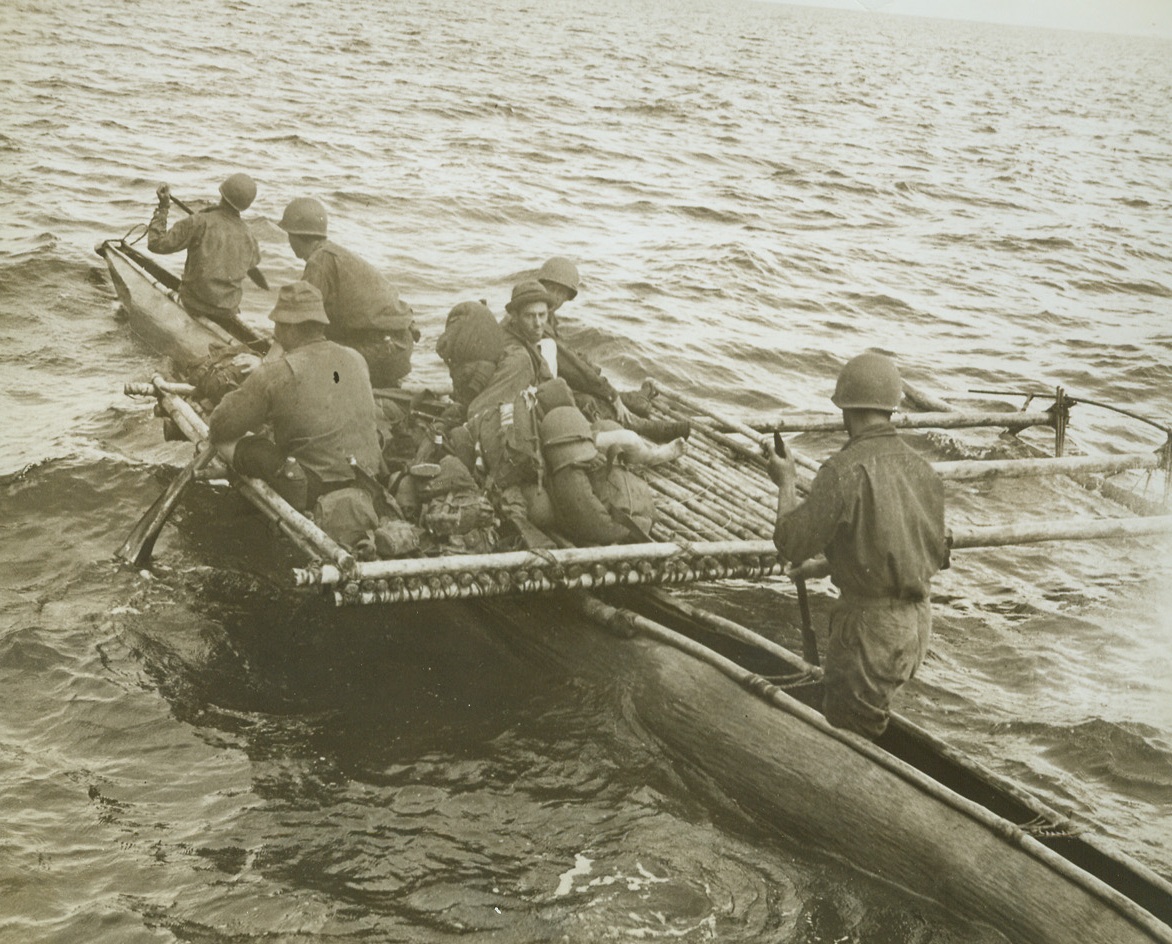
(919, 749)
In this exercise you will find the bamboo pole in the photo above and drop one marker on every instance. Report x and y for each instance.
(729, 517)
(712, 418)
(967, 470)
(469, 586)
(709, 496)
(683, 527)
(698, 476)
(704, 457)
(981, 536)
(153, 389)
(704, 444)
(830, 423)
(1075, 529)
(680, 514)
(564, 558)
(971, 469)
(701, 465)
(734, 630)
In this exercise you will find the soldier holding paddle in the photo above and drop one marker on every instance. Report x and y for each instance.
(876, 510)
(220, 249)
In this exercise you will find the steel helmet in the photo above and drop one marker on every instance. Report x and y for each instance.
(869, 381)
(560, 271)
(566, 438)
(239, 190)
(304, 216)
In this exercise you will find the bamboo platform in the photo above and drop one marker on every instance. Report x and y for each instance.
(715, 511)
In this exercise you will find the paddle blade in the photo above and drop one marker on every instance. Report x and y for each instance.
(258, 278)
(139, 545)
(809, 640)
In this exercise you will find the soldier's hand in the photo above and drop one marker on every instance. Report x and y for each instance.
(621, 412)
(781, 467)
(164, 194)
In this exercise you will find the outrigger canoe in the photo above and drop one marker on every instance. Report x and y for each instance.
(721, 698)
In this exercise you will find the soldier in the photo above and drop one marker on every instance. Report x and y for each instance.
(220, 249)
(364, 309)
(595, 395)
(317, 398)
(876, 510)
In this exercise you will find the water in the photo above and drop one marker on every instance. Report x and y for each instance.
(754, 193)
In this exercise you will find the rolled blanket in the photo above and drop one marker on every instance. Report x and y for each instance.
(471, 345)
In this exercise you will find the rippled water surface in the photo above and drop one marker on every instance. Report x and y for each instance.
(754, 193)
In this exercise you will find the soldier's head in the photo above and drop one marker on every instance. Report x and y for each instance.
(560, 278)
(299, 315)
(868, 389)
(529, 310)
(305, 221)
(238, 191)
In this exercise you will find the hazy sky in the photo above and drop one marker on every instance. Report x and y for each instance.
(1145, 17)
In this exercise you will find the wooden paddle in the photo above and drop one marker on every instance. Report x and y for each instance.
(809, 640)
(137, 548)
(254, 273)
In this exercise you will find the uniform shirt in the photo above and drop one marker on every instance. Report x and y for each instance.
(220, 251)
(318, 400)
(520, 366)
(357, 297)
(876, 509)
(576, 370)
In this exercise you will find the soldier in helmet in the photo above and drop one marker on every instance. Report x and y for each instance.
(596, 396)
(876, 510)
(317, 399)
(364, 309)
(220, 249)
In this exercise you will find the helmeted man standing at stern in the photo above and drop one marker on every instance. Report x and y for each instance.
(220, 249)
(364, 309)
(876, 510)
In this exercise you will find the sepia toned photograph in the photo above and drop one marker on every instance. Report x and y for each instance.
(647, 471)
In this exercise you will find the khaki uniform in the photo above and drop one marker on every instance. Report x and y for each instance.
(220, 251)
(318, 401)
(365, 311)
(876, 510)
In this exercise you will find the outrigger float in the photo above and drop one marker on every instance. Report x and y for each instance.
(724, 699)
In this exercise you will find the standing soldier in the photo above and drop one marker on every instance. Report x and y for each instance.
(364, 309)
(876, 510)
(220, 249)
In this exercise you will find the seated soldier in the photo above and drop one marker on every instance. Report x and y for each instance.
(595, 395)
(501, 417)
(364, 309)
(317, 399)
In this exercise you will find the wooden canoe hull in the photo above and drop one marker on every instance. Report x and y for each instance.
(784, 763)
(155, 315)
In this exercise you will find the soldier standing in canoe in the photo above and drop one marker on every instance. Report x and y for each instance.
(220, 249)
(876, 510)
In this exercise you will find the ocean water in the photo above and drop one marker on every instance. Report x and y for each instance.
(754, 193)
